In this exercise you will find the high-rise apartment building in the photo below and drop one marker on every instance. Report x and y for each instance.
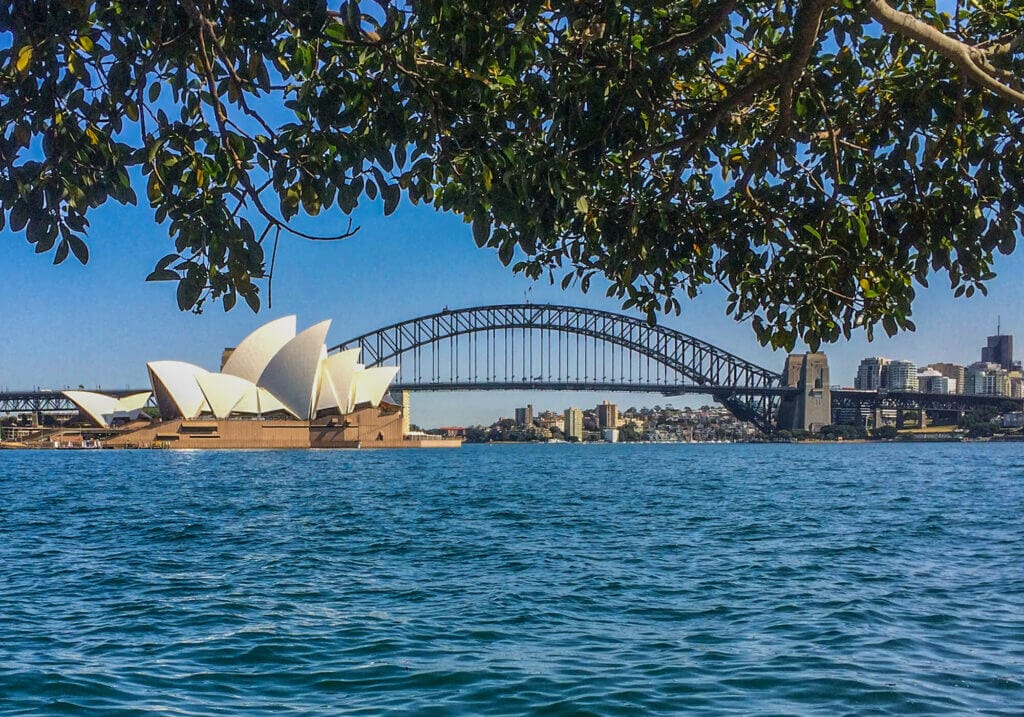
(573, 424)
(872, 374)
(524, 416)
(902, 376)
(607, 415)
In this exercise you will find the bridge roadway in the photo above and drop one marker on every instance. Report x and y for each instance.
(913, 400)
(51, 401)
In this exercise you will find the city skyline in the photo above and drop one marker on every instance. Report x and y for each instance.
(995, 373)
(69, 325)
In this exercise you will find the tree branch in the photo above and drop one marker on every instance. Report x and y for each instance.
(221, 117)
(805, 37)
(970, 60)
(698, 34)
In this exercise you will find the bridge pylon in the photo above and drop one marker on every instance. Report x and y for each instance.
(810, 407)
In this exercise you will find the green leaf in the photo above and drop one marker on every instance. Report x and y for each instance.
(505, 252)
(153, 191)
(481, 229)
(253, 300)
(78, 247)
(19, 216)
(62, 252)
(812, 231)
(1008, 243)
(162, 275)
(189, 290)
(889, 324)
(391, 194)
(167, 260)
(862, 231)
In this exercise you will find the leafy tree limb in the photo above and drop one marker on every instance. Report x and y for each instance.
(818, 159)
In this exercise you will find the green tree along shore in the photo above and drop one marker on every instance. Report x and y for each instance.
(819, 159)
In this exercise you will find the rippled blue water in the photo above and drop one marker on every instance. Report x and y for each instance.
(514, 579)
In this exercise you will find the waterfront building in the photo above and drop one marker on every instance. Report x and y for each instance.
(931, 381)
(298, 394)
(610, 435)
(524, 416)
(952, 371)
(573, 424)
(1014, 387)
(986, 378)
(273, 371)
(872, 374)
(549, 420)
(607, 415)
(902, 376)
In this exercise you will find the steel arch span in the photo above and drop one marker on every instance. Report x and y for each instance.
(550, 347)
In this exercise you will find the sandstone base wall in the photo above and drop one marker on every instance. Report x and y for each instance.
(367, 427)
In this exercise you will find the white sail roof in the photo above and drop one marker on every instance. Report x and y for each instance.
(97, 406)
(268, 403)
(134, 402)
(292, 375)
(251, 356)
(102, 409)
(337, 371)
(370, 384)
(224, 391)
(176, 388)
(257, 401)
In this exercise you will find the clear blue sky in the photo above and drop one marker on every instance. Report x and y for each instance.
(98, 325)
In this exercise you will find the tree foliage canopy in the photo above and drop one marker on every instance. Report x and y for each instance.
(817, 158)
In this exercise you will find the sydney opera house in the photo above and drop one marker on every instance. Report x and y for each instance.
(276, 389)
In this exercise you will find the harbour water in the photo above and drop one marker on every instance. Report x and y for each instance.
(554, 579)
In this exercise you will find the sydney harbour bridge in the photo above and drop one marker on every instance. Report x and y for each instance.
(543, 347)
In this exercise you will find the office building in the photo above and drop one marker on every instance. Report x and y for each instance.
(573, 424)
(872, 374)
(999, 351)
